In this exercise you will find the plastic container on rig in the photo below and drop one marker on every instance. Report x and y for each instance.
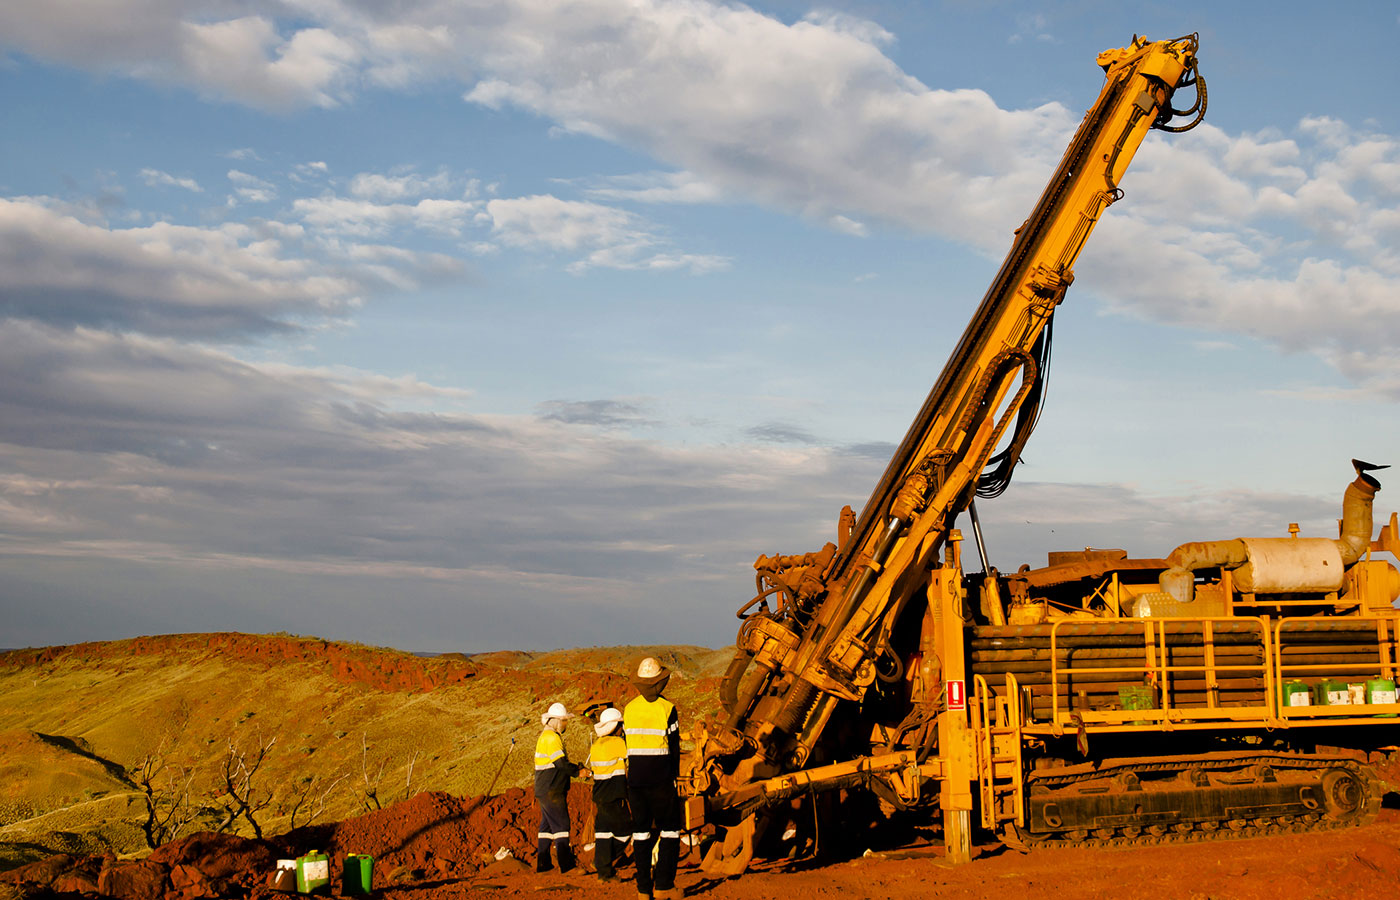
(313, 872)
(1381, 690)
(358, 874)
(1137, 697)
(1295, 693)
(1332, 693)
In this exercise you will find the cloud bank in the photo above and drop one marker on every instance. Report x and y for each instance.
(133, 431)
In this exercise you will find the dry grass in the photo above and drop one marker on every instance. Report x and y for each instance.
(106, 706)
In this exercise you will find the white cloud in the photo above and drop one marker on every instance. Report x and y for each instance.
(365, 218)
(848, 226)
(154, 177)
(228, 280)
(546, 221)
(250, 188)
(309, 171)
(246, 59)
(607, 236)
(373, 186)
(1031, 26)
(1252, 232)
(1291, 240)
(144, 451)
(656, 187)
(185, 458)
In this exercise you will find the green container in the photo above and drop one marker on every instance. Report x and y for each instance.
(1381, 690)
(1332, 693)
(313, 872)
(1137, 697)
(358, 875)
(1295, 693)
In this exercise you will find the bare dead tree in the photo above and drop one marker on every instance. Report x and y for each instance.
(165, 788)
(308, 803)
(245, 798)
(369, 784)
(408, 778)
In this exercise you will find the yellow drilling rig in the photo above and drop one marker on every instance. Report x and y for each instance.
(1231, 688)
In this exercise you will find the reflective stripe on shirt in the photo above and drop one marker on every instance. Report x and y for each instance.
(648, 726)
(548, 749)
(608, 757)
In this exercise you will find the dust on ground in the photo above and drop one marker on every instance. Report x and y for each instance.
(435, 846)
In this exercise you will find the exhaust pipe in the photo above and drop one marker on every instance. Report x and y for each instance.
(1356, 513)
(1282, 565)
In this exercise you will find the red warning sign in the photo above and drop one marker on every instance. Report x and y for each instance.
(955, 692)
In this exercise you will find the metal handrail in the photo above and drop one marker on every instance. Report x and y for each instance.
(1156, 671)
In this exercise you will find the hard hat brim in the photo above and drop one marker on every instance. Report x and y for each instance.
(659, 678)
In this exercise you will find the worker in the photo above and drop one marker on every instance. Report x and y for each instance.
(552, 773)
(612, 824)
(653, 763)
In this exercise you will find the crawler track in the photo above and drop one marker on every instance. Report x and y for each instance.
(1225, 796)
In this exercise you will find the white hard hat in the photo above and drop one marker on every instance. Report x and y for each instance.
(650, 672)
(607, 722)
(555, 711)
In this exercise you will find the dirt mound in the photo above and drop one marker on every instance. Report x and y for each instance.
(222, 857)
(437, 834)
(432, 836)
(375, 667)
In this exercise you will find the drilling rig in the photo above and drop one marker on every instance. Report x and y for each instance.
(1230, 688)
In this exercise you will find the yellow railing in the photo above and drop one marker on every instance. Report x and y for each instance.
(998, 716)
(1357, 649)
(1164, 643)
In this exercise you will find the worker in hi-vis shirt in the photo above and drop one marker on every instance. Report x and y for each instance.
(612, 823)
(552, 773)
(653, 764)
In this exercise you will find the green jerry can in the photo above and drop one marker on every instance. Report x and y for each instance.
(1332, 693)
(313, 872)
(358, 875)
(1137, 697)
(1295, 693)
(1381, 690)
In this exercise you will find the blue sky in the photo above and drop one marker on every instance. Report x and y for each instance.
(483, 325)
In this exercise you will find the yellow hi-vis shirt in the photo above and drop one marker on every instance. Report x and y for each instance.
(548, 748)
(608, 757)
(646, 725)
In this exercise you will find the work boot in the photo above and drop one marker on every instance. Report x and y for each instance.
(542, 857)
(566, 856)
(668, 894)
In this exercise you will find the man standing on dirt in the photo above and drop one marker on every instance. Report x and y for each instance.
(653, 765)
(552, 773)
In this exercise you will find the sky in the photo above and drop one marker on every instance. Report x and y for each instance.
(485, 325)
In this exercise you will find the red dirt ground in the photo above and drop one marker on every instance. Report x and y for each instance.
(435, 847)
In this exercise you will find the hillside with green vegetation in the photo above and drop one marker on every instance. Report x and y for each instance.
(250, 733)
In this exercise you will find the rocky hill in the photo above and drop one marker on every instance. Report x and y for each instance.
(346, 728)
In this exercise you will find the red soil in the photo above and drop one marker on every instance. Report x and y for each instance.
(435, 846)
